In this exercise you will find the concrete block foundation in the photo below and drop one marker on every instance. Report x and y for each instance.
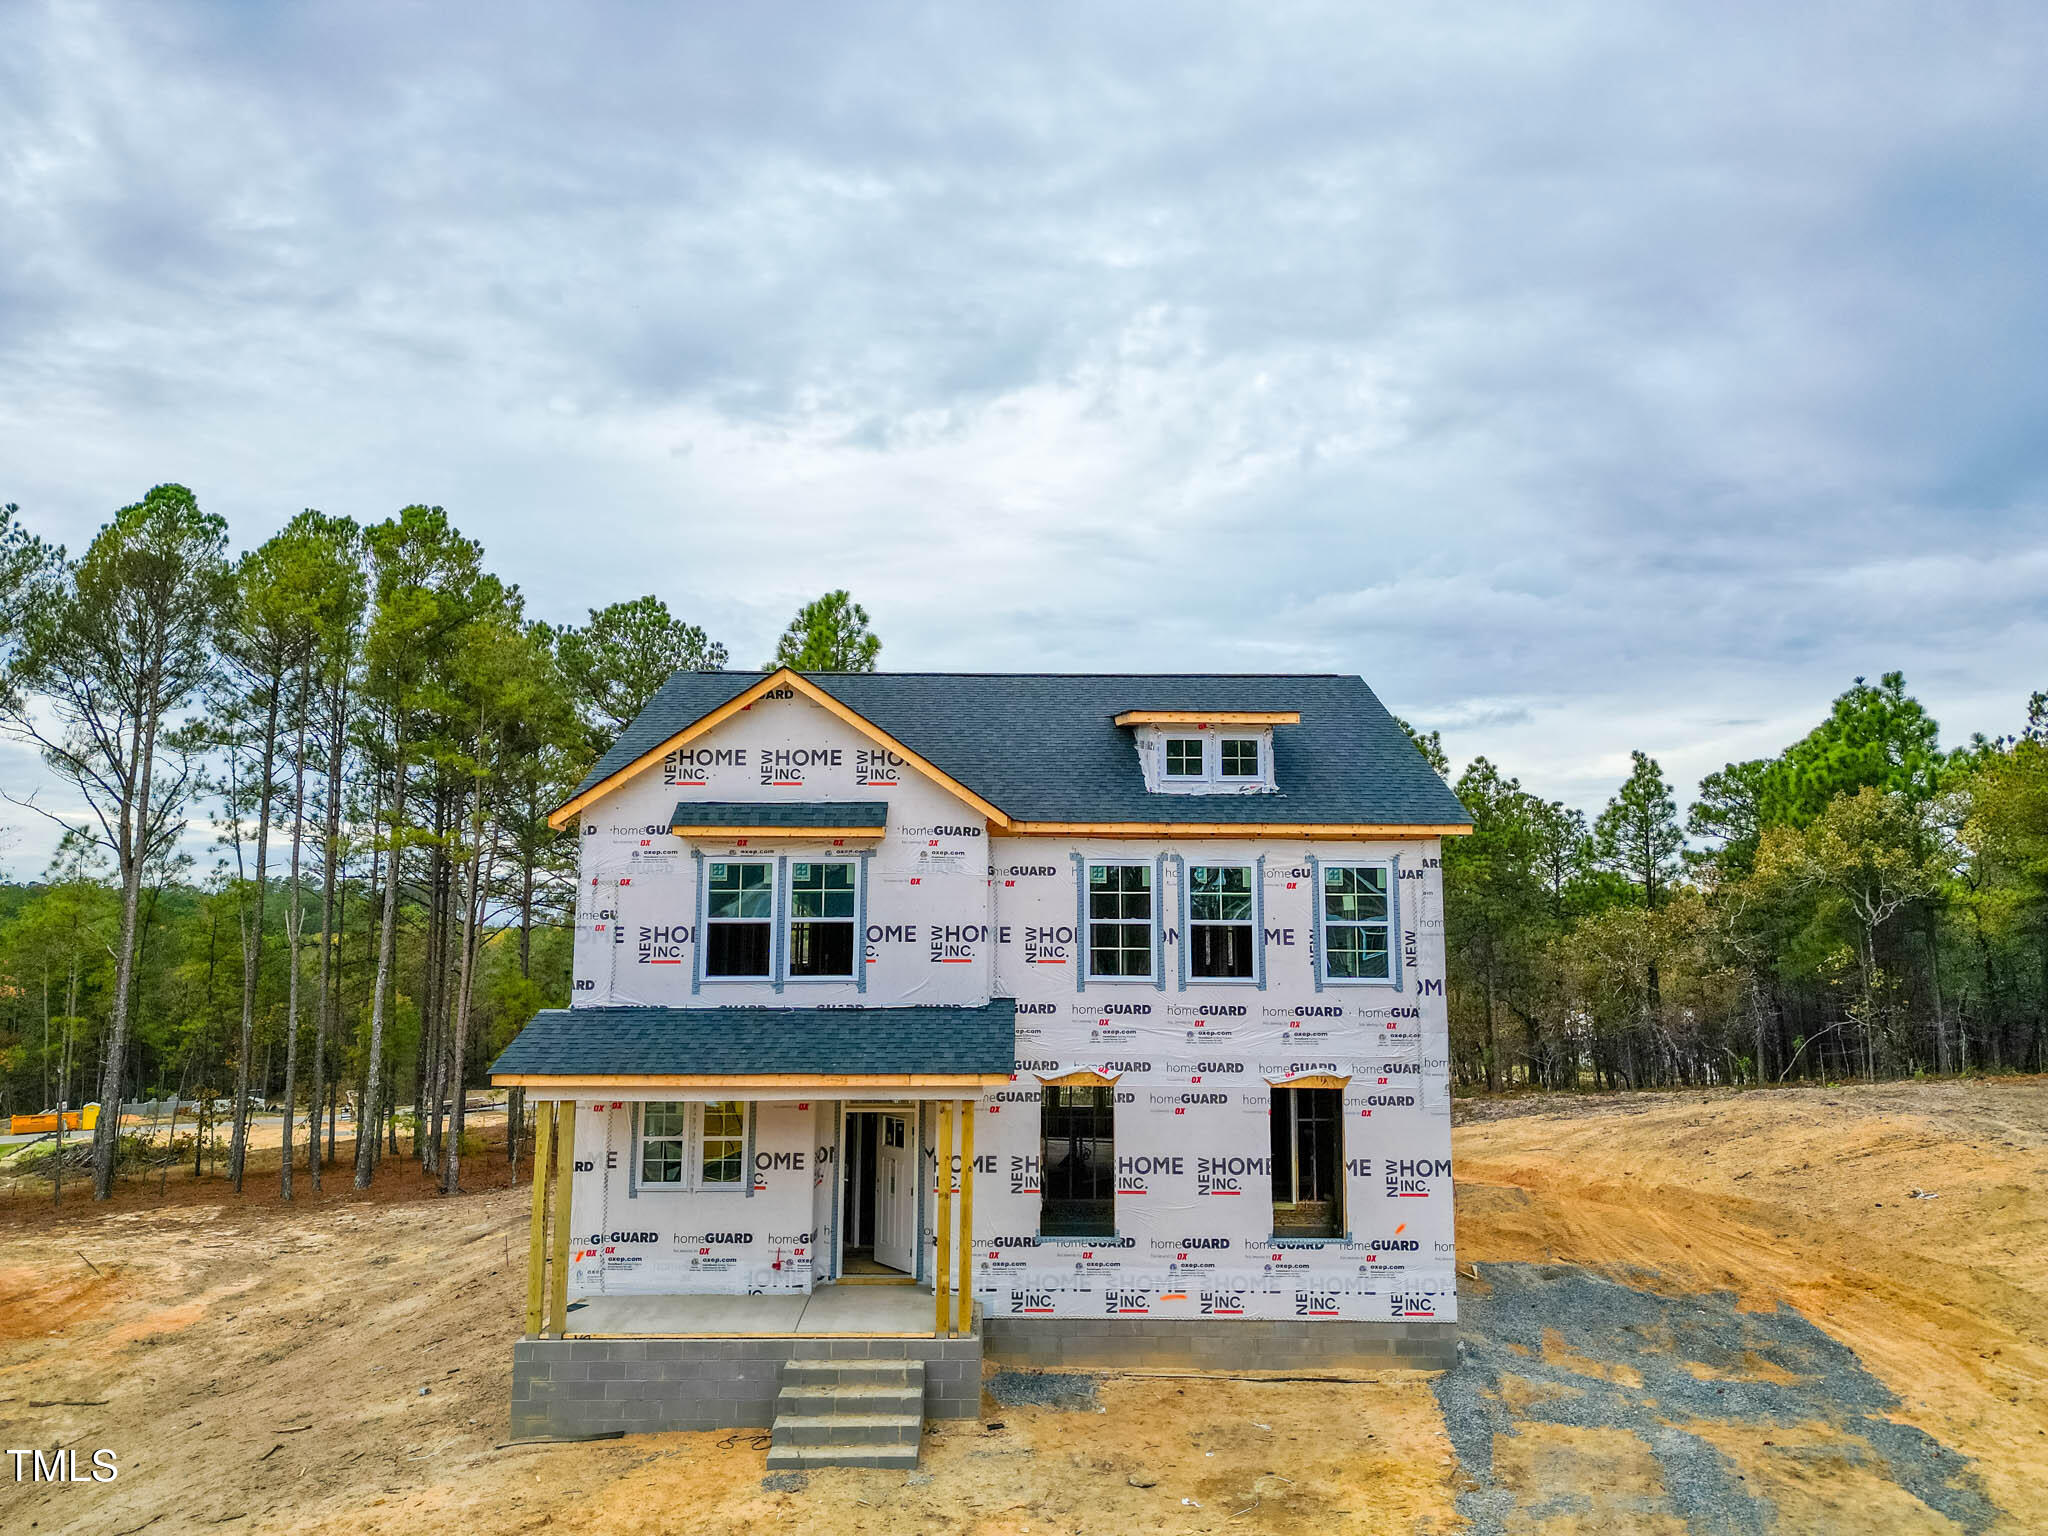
(1238, 1344)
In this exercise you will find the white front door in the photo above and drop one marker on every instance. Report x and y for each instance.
(895, 1194)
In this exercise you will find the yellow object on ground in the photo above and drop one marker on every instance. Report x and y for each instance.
(74, 1120)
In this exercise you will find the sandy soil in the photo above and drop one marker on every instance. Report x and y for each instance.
(343, 1364)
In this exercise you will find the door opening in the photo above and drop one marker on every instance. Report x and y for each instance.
(880, 1216)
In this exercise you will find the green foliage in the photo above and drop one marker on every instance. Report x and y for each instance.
(618, 661)
(1431, 746)
(1637, 836)
(829, 635)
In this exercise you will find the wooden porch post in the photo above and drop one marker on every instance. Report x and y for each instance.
(537, 1253)
(565, 1170)
(966, 1277)
(943, 1226)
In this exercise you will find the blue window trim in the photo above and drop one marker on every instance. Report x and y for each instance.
(697, 964)
(1080, 921)
(1259, 920)
(1315, 903)
(1157, 980)
(747, 1165)
(1159, 923)
(778, 961)
(1392, 980)
(1180, 874)
(860, 925)
(1257, 979)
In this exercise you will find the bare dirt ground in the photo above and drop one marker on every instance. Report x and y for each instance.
(1698, 1312)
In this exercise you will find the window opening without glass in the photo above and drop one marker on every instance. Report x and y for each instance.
(739, 911)
(1355, 922)
(1119, 919)
(1308, 1161)
(1220, 931)
(1077, 1162)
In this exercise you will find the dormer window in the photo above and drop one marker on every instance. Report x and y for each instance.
(1184, 753)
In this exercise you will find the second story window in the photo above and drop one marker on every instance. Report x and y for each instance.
(821, 897)
(1119, 920)
(1184, 757)
(739, 916)
(1220, 936)
(1240, 757)
(1355, 925)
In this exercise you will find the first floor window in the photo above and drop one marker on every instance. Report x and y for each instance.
(692, 1146)
(723, 1145)
(1354, 898)
(1308, 1161)
(1120, 920)
(1220, 933)
(664, 1143)
(739, 914)
(1077, 1162)
(821, 918)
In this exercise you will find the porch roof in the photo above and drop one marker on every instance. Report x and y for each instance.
(754, 1043)
(746, 815)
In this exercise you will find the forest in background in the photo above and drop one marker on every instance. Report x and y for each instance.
(374, 732)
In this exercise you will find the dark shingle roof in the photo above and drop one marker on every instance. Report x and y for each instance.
(781, 813)
(1045, 746)
(630, 1042)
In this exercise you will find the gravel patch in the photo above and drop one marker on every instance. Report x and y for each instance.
(785, 1482)
(1617, 1328)
(1071, 1391)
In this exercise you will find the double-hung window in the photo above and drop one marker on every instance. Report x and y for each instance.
(1119, 920)
(1355, 923)
(692, 1146)
(821, 918)
(1221, 935)
(739, 918)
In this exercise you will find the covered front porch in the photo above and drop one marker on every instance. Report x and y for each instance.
(828, 1312)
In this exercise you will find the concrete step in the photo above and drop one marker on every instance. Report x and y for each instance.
(847, 1373)
(851, 1397)
(849, 1431)
(798, 1458)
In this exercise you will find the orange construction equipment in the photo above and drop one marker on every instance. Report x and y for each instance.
(74, 1120)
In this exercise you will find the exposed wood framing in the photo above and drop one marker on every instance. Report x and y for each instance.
(536, 1254)
(1244, 830)
(754, 1084)
(557, 1321)
(942, 1229)
(964, 1323)
(1197, 717)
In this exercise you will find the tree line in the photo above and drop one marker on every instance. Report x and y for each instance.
(373, 731)
(1863, 904)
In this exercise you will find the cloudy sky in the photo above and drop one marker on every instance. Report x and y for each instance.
(1586, 379)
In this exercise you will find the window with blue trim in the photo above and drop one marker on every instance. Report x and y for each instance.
(739, 918)
(1356, 924)
(1120, 921)
(821, 918)
(1221, 937)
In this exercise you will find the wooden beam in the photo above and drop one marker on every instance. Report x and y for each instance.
(778, 834)
(942, 1226)
(781, 677)
(759, 1085)
(965, 1323)
(1309, 1080)
(1251, 832)
(557, 1321)
(536, 1253)
(1214, 717)
(1080, 1079)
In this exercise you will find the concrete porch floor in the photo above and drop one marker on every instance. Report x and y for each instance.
(830, 1311)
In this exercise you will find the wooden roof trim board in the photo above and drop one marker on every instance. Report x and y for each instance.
(782, 677)
(1085, 1077)
(1349, 831)
(778, 834)
(1212, 717)
(792, 1084)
